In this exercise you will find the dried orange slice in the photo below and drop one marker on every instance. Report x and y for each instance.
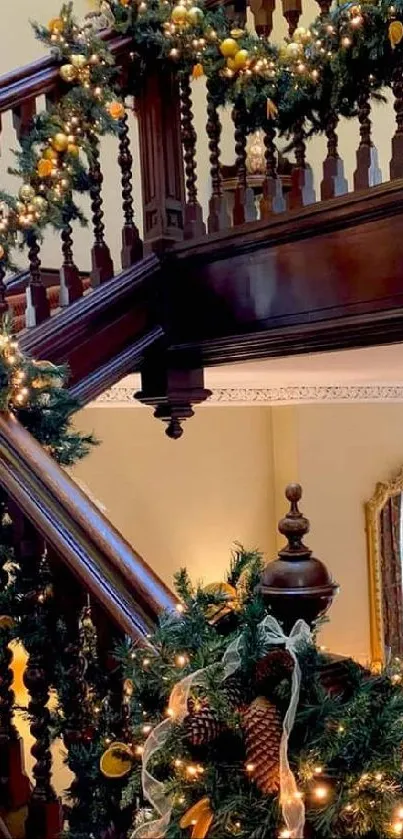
(117, 761)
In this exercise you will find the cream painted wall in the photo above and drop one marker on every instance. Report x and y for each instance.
(185, 503)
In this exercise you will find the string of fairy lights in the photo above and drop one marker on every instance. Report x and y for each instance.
(275, 83)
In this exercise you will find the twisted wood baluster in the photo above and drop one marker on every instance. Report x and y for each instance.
(363, 156)
(38, 308)
(396, 163)
(301, 192)
(262, 11)
(45, 818)
(272, 200)
(102, 265)
(218, 212)
(3, 301)
(70, 284)
(333, 182)
(244, 202)
(132, 246)
(69, 603)
(324, 6)
(14, 783)
(292, 10)
(194, 225)
(240, 160)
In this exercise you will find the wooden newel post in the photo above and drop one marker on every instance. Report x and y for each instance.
(296, 585)
(164, 200)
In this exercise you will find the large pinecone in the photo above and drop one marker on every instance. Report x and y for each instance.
(202, 726)
(232, 688)
(272, 669)
(263, 728)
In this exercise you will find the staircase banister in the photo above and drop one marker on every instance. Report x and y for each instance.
(116, 575)
(42, 75)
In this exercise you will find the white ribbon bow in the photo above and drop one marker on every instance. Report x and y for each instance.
(292, 806)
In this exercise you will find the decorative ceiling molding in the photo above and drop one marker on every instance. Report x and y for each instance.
(121, 395)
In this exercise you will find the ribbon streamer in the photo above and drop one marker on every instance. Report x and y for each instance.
(292, 806)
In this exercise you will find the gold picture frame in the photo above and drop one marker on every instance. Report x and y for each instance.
(383, 491)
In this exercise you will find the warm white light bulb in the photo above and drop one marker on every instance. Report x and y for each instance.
(320, 793)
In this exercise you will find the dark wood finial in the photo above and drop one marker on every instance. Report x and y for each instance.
(296, 585)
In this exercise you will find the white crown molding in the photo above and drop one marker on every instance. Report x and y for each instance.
(123, 396)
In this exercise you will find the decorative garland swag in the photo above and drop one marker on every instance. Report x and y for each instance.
(321, 70)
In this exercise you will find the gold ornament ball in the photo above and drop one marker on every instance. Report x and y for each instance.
(293, 50)
(68, 73)
(300, 35)
(231, 64)
(195, 16)
(60, 142)
(179, 15)
(73, 149)
(79, 61)
(26, 193)
(355, 11)
(241, 59)
(94, 59)
(49, 154)
(229, 48)
(39, 204)
(20, 206)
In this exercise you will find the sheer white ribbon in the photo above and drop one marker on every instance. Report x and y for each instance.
(292, 806)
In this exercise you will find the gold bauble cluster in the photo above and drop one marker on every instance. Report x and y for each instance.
(183, 16)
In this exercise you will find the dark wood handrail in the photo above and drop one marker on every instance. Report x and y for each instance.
(107, 566)
(41, 76)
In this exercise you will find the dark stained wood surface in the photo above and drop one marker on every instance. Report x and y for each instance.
(106, 565)
(97, 328)
(322, 278)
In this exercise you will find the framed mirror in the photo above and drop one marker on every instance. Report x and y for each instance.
(385, 562)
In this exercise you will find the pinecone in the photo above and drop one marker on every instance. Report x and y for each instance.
(202, 727)
(232, 689)
(263, 728)
(272, 669)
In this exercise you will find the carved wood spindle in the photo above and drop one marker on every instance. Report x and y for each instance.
(272, 200)
(239, 215)
(301, 192)
(38, 308)
(132, 246)
(244, 201)
(15, 787)
(219, 218)
(262, 11)
(333, 182)
(367, 172)
(3, 301)
(108, 636)
(70, 283)
(70, 600)
(194, 225)
(45, 818)
(102, 265)
(396, 163)
(324, 6)
(292, 10)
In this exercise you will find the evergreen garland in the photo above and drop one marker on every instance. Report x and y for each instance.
(345, 749)
(325, 69)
